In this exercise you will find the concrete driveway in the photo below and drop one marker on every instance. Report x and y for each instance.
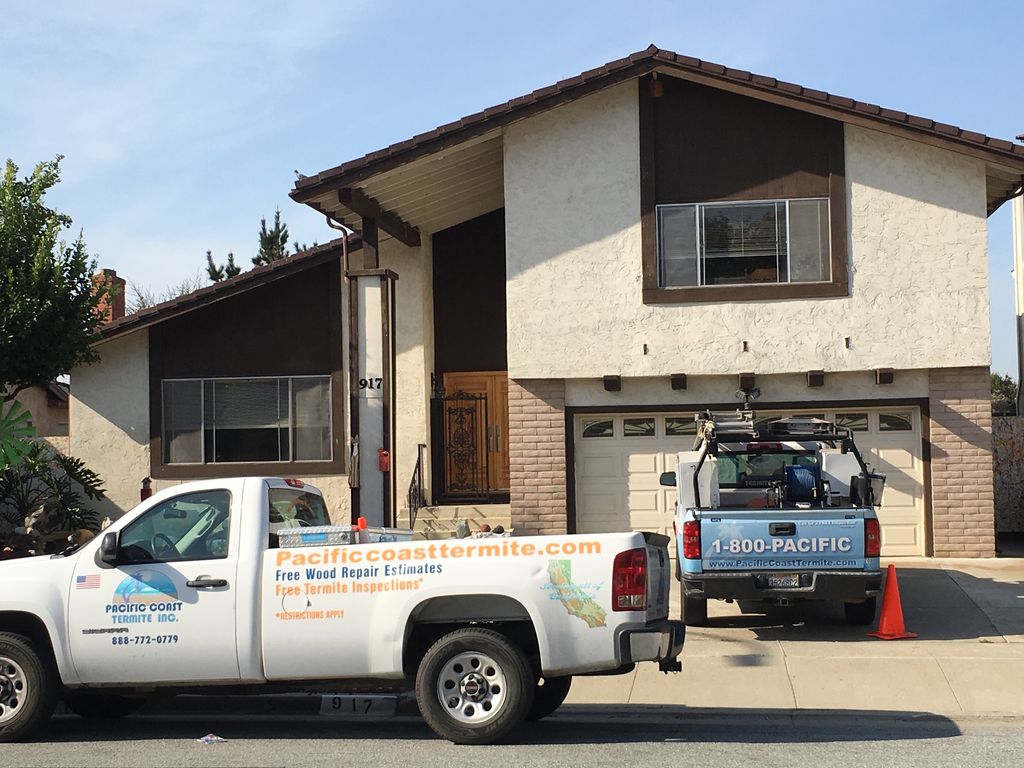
(968, 659)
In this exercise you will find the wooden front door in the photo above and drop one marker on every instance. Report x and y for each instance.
(492, 450)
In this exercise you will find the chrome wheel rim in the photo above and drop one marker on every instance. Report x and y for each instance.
(472, 688)
(13, 689)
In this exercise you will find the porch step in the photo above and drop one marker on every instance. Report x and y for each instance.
(440, 522)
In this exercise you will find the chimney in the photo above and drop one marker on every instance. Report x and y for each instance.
(111, 307)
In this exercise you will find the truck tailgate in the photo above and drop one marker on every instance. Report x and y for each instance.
(782, 539)
(659, 575)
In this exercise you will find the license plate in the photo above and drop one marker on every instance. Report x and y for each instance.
(783, 580)
(347, 706)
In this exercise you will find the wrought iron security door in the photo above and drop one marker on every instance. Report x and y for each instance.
(465, 431)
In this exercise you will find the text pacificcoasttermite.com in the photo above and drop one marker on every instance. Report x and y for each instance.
(509, 548)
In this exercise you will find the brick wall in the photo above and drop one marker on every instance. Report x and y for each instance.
(963, 514)
(536, 435)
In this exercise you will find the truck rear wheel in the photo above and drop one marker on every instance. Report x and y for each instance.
(28, 688)
(474, 686)
(548, 696)
(694, 610)
(860, 614)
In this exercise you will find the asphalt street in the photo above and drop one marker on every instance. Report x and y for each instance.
(578, 735)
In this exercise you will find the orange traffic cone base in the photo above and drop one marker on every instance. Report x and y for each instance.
(890, 623)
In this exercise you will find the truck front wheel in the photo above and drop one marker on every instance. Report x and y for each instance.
(695, 610)
(474, 686)
(28, 688)
(548, 696)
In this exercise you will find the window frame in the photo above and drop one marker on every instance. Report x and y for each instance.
(654, 293)
(701, 240)
(335, 465)
(291, 420)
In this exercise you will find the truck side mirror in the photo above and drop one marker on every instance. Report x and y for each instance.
(108, 549)
(668, 479)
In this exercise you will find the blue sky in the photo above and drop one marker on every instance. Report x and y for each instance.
(182, 123)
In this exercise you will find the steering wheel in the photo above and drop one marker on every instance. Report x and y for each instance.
(162, 546)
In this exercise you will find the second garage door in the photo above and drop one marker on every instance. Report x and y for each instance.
(620, 457)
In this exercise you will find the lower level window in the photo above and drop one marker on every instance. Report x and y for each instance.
(268, 419)
(747, 243)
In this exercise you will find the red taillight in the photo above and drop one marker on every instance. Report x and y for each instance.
(629, 581)
(295, 483)
(872, 538)
(691, 539)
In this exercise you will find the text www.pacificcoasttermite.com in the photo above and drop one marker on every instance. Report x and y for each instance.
(822, 545)
(757, 562)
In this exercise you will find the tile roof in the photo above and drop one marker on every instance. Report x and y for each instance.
(635, 65)
(254, 278)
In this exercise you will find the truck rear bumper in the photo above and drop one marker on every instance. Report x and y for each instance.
(849, 586)
(655, 641)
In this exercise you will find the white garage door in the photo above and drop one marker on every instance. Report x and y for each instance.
(620, 457)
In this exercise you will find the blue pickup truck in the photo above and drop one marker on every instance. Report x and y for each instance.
(777, 511)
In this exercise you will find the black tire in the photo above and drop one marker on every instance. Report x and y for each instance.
(99, 705)
(28, 687)
(548, 696)
(694, 610)
(474, 686)
(861, 614)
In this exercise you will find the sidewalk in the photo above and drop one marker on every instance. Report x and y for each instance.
(967, 660)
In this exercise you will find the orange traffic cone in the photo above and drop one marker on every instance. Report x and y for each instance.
(890, 623)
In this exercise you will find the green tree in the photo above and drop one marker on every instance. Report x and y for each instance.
(50, 487)
(1004, 395)
(217, 273)
(273, 241)
(50, 316)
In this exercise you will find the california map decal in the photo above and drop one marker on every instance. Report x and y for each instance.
(578, 599)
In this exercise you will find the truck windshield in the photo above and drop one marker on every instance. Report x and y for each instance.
(759, 470)
(294, 508)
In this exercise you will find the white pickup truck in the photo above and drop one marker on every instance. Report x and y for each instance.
(191, 591)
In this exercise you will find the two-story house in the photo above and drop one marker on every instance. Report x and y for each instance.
(579, 270)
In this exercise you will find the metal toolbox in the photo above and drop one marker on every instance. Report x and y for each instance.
(321, 535)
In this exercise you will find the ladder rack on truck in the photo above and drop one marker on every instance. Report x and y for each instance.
(779, 510)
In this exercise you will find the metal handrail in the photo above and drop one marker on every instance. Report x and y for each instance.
(416, 497)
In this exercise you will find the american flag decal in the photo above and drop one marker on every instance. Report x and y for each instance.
(87, 582)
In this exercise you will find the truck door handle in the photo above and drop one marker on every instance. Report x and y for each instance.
(206, 583)
(782, 529)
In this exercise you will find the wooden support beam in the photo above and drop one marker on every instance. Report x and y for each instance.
(356, 201)
(371, 258)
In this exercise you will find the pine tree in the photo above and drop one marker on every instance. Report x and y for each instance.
(217, 273)
(273, 242)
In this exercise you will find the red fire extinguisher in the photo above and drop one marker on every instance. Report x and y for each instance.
(383, 460)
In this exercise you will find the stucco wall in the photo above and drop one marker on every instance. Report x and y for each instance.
(414, 356)
(110, 428)
(110, 418)
(779, 388)
(49, 421)
(918, 262)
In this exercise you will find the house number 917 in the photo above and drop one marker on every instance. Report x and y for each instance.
(371, 383)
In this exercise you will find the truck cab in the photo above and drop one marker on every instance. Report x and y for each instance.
(242, 584)
(779, 511)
